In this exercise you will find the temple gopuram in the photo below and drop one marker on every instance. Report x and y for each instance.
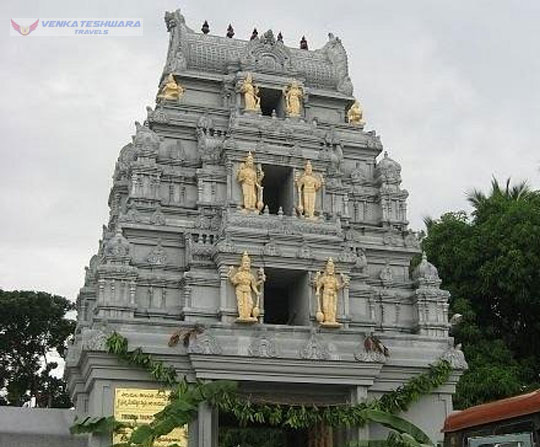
(253, 207)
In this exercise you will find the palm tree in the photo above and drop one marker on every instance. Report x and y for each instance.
(510, 192)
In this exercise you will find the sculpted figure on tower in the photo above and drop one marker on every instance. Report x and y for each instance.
(294, 95)
(250, 178)
(245, 284)
(307, 185)
(250, 91)
(171, 91)
(355, 115)
(330, 284)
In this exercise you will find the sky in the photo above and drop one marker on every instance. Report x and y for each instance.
(452, 87)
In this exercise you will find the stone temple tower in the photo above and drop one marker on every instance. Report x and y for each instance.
(251, 203)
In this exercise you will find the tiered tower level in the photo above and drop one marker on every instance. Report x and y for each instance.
(217, 177)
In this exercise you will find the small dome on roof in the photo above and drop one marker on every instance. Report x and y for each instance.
(388, 165)
(425, 270)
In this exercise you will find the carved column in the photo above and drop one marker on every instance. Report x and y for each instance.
(345, 317)
(229, 167)
(207, 426)
(223, 284)
(132, 291)
(358, 394)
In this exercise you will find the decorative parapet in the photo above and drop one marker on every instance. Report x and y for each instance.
(324, 68)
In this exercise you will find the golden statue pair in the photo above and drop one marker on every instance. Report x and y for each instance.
(252, 190)
(327, 285)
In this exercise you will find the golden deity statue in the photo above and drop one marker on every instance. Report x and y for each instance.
(293, 99)
(307, 185)
(355, 115)
(250, 179)
(251, 95)
(171, 91)
(331, 284)
(245, 284)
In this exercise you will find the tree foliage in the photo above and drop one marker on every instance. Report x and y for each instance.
(32, 324)
(490, 262)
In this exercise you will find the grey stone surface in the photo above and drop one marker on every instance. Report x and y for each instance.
(38, 427)
(176, 226)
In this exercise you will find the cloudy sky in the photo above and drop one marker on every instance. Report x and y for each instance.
(452, 87)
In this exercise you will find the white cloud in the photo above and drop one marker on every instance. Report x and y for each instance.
(452, 87)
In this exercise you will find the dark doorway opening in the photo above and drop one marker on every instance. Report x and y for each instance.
(278, 189)
(231, 434)
(270, 101)
(286, 297)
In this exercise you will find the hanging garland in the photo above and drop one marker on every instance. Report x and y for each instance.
(223, 395)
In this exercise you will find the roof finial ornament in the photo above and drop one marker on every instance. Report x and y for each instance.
(303, 43)
(230, 31)
(254, 34)
(280, 37)
(205, 27)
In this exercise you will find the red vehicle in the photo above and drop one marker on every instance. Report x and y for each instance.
(511, 422)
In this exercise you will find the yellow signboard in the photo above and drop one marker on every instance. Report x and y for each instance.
(138, 406)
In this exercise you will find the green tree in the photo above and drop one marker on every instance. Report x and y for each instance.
(490, 262)
(32, 324)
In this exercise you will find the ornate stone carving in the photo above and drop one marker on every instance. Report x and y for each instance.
(206, 344)
(386, 275)
(304, 252)
(391, 239)
(251, 181)
(157, 256)
(348, 254)
(411, 240)
(370, 357)
(307, 185)
(245, 285)
(335, 51)
(330, 284)
(171, 90)
(358, 175)
(91, 270)
(157, 217)
(266, 54)
(286, 224)
(314, 349)
(294, 95)
(205, 122)
(132, 214)
(296, 150)
(145, 141)
(271, 248)
(94, 340)
(225, 245)
(456, 358)
(157, 116)
(117, 248)
(263, 345)
(361, 260)
(210, 144)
